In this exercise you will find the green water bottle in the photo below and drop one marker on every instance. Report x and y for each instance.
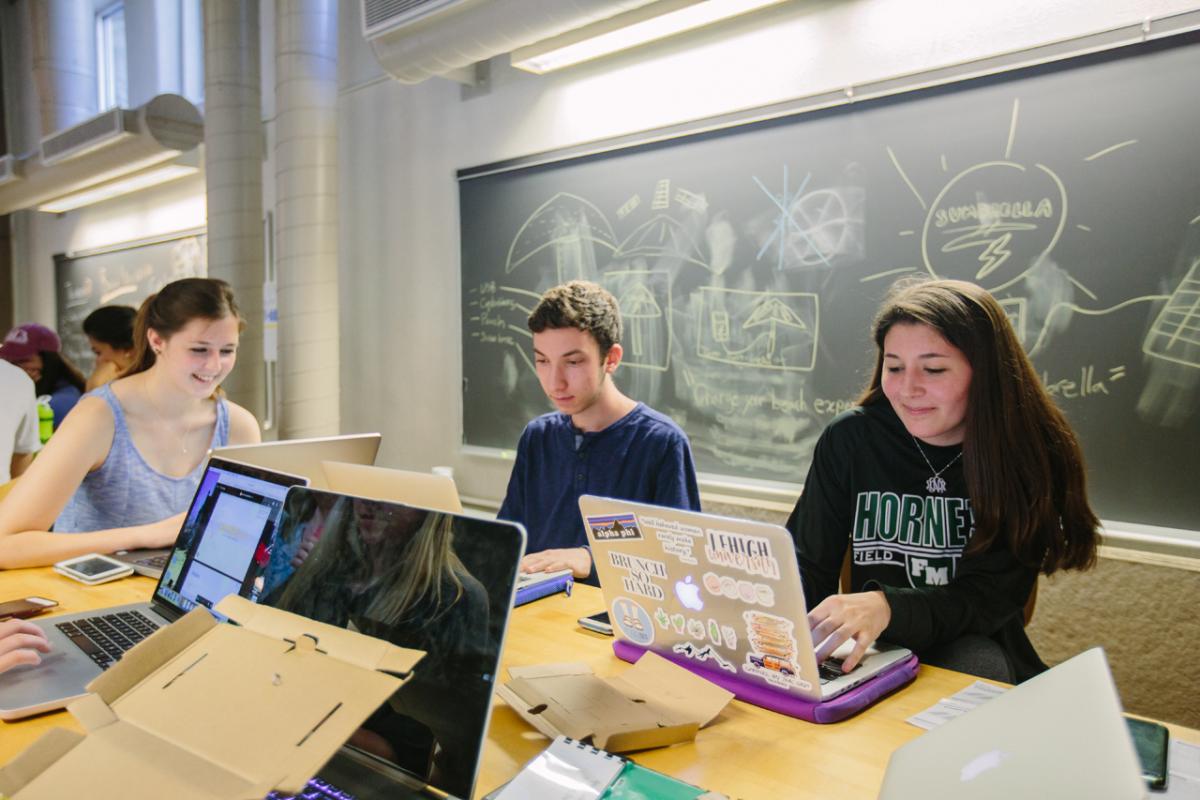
(45, 418)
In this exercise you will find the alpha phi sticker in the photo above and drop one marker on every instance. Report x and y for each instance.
(615, 527)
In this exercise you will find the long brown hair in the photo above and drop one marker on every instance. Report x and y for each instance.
(1023, 464)
(57, 369)
(173, 307)
(415, 565)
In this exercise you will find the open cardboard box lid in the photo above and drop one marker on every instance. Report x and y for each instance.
(206, 710)
(654, 703)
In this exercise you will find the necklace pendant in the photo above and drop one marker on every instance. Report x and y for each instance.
(936, 484)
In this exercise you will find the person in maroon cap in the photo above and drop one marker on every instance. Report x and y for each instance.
(38, 350)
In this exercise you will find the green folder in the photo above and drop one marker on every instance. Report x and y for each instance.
(636, 782)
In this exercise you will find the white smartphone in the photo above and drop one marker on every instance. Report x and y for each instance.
(93, 568)
(597, 622)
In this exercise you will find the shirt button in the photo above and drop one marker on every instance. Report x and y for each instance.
(579, 477)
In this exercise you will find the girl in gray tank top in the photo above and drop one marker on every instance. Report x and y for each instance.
(126, 490)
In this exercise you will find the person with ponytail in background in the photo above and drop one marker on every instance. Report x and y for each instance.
(109, 331)
(121, 470)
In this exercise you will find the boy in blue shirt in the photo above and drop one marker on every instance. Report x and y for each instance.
(598, 442)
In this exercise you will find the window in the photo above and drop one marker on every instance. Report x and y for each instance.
(110, 57)
(191, 54)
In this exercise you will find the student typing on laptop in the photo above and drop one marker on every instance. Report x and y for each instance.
(123, 466)
(954, 482)
(598, 442)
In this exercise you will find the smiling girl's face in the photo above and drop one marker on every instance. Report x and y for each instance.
(200, 355)
(926, 379)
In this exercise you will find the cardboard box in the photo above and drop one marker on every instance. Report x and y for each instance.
(203, 710)
(652, 704)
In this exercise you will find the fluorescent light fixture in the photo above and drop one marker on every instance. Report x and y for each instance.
(115, 188)
(646, 24)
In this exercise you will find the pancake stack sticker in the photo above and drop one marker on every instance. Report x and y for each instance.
(772, 654)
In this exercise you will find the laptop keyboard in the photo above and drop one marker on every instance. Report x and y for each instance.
(157, 562)
(316, 789)
(831, 669)
(106, 637)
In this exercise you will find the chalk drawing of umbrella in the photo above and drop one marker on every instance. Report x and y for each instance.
(774, 313)
(639, 303)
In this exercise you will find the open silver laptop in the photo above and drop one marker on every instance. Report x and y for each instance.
(295, 456)
(233, 514)
(724, 593)
(423, 489)
(304, 456)
(443, 583)
(1060, 734)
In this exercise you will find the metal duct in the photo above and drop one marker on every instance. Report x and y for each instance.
(306, 216)
(64, 62)
(461, 33)
(158, 131)
(233, 151)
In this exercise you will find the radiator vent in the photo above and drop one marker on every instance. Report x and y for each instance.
(382, 15)
(98, 131)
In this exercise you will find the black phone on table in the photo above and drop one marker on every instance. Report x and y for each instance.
(597, 622)
(26, 607)
(1150, 741)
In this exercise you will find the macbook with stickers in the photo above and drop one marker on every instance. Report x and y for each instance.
(304, 456)
(223, 539)
(1059, 734)
(722, 597)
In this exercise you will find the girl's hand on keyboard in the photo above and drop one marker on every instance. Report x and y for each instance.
(860, 616)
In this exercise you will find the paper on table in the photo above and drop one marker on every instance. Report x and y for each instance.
(566, 770)
(957, 705)
(1183, 772)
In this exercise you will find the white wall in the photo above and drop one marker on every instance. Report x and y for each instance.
(400, 146)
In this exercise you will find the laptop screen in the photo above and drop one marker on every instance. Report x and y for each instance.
(438, 582)
(225, 535)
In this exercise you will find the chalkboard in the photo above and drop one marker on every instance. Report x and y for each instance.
(121, 277)
(748, 263)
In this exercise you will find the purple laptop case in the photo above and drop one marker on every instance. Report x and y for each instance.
(835, 710)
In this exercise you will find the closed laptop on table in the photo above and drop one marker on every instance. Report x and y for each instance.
(1060, 734)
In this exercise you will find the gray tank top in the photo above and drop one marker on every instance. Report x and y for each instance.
(126, 490)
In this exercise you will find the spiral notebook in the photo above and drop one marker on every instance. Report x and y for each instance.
(571, 770)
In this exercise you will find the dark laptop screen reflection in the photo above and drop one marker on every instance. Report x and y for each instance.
(418, 579)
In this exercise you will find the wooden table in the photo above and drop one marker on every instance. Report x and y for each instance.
(746, 752)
